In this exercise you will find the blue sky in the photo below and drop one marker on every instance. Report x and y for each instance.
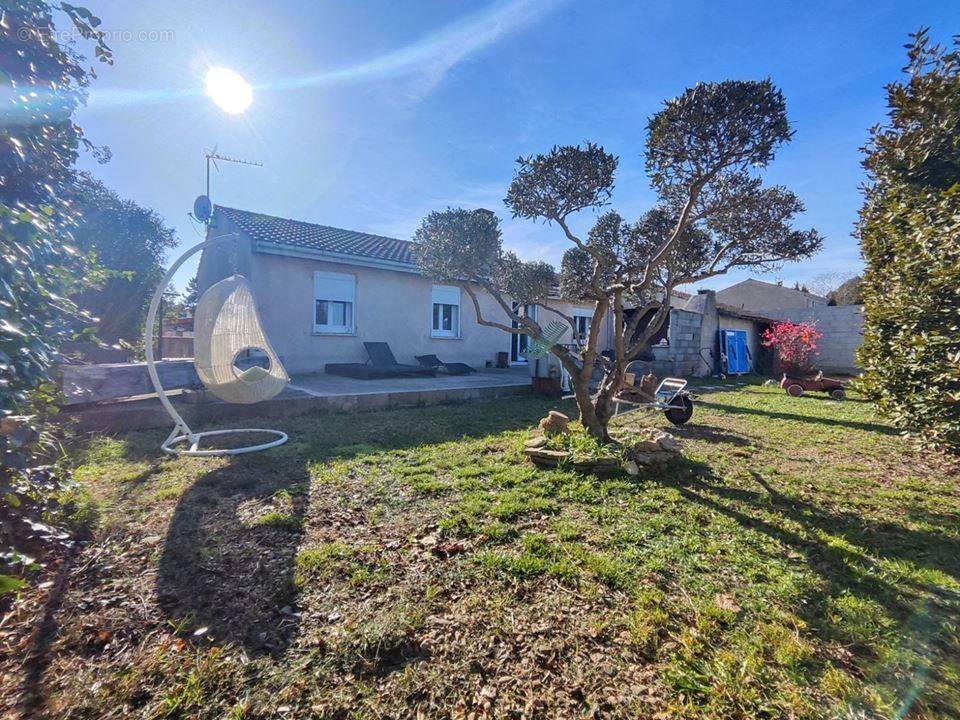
(368, 115)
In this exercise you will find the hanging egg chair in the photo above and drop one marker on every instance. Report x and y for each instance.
(227, 330)
(226, 326)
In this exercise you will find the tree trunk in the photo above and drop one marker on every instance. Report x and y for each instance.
(595, 424)
(595, 413)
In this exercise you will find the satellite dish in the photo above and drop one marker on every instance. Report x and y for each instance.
(202, 208)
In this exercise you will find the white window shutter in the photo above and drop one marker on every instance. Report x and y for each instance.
(334, 286)
(446, 294)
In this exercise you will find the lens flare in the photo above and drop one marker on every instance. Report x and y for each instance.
(228, 90)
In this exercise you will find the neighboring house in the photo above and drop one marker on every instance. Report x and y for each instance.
(839, 325)
(694, 340)
(762, 297)
(323, 291)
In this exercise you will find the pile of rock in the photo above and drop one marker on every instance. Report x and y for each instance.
(650, 446)
(647, 446)
(555, 423)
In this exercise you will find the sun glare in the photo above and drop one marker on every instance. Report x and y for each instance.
(228, 90)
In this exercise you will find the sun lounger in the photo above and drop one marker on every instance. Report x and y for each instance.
(432, 361)
(382, 365)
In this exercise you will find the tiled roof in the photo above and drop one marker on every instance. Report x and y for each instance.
(322, 238)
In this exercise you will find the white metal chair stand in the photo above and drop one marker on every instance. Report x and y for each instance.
(228, 325)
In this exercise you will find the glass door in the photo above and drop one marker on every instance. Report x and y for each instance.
(518, 344)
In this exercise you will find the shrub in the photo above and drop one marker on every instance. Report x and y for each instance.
(39, 268)
(909, 229)
(795, 345)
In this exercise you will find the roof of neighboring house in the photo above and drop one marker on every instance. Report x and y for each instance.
(283, 232)
(775, 286)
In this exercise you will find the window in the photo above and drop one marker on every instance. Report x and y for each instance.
(446, 311)
(583, 326)
(333, 302)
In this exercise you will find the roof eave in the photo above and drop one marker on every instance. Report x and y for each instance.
(272, 248)
(745, 316)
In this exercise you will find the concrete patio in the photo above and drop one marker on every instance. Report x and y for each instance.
(323, 385)
(316, 392)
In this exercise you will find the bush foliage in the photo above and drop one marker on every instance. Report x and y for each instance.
(39, 265)
(795, 343)
(910, 236)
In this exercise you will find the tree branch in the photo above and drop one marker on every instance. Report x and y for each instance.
(656, 322)
(489, 323)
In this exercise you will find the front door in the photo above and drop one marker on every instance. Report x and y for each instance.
(736, 351)
(518, 344)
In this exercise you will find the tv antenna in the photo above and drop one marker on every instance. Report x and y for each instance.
(203, 206)
(212, 156)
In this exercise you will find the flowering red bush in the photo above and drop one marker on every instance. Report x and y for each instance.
(795, 344)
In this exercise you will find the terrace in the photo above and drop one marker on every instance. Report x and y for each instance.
(316, 392)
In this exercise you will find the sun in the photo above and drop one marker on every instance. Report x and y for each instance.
(228, 90)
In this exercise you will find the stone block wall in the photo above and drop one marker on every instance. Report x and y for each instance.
(682, 356)
(841, 327)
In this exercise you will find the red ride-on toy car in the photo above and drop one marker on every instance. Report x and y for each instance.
(797, 386)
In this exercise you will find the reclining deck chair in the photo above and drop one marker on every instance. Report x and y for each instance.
(226, 325)
(450, 368)
(382, 364)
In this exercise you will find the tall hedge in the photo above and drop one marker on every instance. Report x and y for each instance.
(910, 237)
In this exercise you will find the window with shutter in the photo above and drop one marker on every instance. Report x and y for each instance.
(334, 300)
(446, 311)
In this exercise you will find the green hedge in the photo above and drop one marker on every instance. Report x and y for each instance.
(910, 237)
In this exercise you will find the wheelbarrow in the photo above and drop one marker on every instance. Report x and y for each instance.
(671, 398)
(798, 386)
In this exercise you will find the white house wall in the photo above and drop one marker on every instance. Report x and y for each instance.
(393, 307)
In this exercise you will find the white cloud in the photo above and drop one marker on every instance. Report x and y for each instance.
(428, 60)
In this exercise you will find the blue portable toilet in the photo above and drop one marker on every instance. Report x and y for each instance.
(733, 347)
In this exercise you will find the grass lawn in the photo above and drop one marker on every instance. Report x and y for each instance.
(801, 560)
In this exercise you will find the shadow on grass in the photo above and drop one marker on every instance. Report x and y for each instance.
(833, 422)
(760, 508)
(707, 433)
(222, 574)
(234, 577)
(927, 614)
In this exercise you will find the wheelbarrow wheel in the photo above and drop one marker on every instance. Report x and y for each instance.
(838, 394)
(682, 411)
(795, 390)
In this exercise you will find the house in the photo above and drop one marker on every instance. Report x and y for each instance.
(323, 291)
(759, 296)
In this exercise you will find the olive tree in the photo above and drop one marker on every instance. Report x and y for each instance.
(703, 153)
